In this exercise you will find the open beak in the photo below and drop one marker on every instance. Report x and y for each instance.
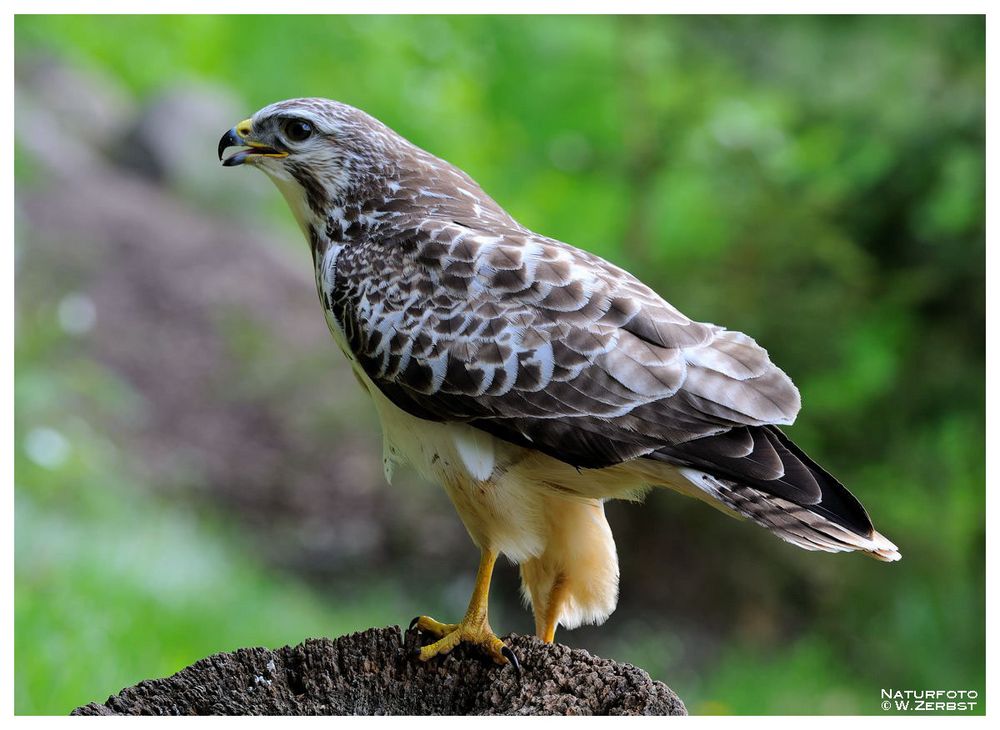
(239, 136)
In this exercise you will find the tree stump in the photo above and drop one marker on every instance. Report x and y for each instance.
(374, 673)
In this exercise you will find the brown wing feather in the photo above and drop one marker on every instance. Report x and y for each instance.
(545, 345)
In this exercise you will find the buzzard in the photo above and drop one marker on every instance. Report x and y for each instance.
(530, 379)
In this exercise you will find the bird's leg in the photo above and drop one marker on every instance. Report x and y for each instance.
(549, 622)
(474, 628)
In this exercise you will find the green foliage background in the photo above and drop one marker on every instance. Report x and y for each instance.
(817, 182)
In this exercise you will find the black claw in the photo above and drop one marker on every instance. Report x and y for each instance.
(413, 623)
(511, 657)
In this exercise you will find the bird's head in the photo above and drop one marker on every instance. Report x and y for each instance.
(317, 151)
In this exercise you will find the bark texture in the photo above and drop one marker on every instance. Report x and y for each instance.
(373, 673)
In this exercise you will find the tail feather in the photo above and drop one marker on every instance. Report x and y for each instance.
(792, 522)
(764, 458)
(758, 472)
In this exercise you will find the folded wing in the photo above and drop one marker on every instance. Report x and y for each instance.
(547, 346)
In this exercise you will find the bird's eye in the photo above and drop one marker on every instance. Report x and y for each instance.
(298, 130)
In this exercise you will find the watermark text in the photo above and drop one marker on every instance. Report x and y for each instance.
(929, 700)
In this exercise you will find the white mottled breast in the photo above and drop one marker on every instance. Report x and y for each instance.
(428, 446)
(471, 465)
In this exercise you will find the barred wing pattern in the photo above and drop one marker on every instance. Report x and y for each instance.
(545, 345)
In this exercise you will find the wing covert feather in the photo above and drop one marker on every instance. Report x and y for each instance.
(545, 345)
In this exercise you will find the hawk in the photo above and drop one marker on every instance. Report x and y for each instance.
(532, 380)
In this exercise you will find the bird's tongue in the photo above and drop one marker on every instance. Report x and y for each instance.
(237, 159)
(240, 157)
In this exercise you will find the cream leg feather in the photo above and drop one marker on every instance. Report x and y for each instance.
(575, 579)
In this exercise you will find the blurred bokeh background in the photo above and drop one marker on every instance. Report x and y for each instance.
(184, 488)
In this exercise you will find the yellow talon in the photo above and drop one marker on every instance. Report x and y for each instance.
(474, 628)
(435, 628)
(479, 634)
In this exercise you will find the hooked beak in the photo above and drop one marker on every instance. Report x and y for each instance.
(239, 136)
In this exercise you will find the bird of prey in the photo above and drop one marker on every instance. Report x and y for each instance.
(532, 380)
